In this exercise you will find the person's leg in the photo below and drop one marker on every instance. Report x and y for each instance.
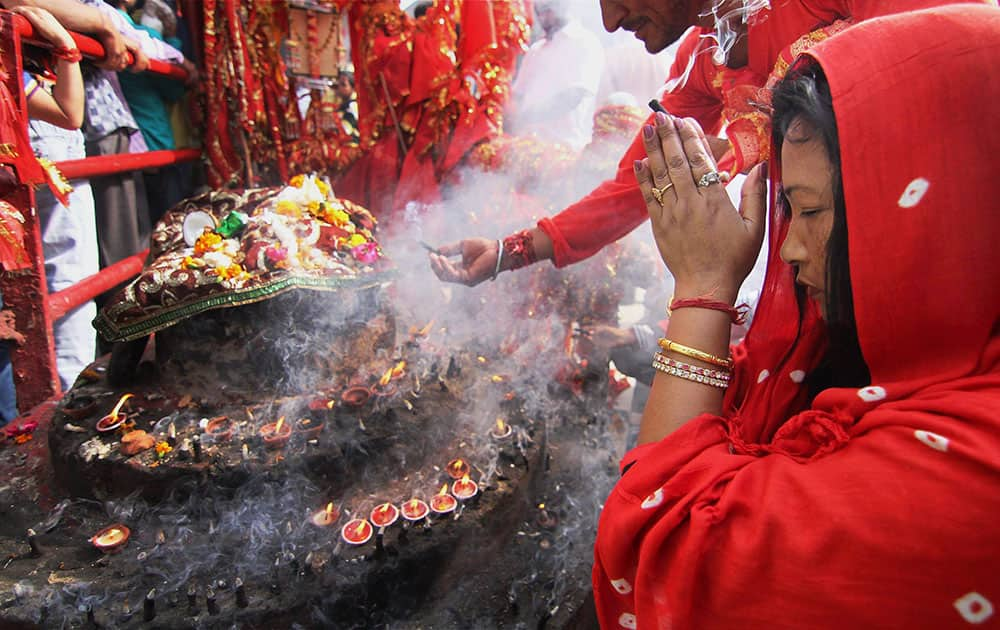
(69, 241)
(8, 394)
(120, 230)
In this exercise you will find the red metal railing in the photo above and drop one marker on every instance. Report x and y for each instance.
(24, 291)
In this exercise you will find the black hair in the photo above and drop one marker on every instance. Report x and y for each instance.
(347, 75)
(805, 95)
(421, 9)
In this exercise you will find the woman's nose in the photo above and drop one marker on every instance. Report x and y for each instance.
(792, 250)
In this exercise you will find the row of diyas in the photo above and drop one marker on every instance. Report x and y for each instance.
(358, 531)
(273, 435)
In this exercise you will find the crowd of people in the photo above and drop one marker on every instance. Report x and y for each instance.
(836, 467)
(81, 109)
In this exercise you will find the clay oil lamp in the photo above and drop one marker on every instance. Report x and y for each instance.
(458, 468)
(325, 517)
(501, 430)
(414, 510)
(545, 519)
(464, 488)
(111, 539)
(420, 333)
(357, 531)
(321, 404)
(114, 419)
(442, 502)
(220, 428)
(79, 407)
(356, 396)
(276, 434)
(384, 515)
(385, 386)
(309, 428)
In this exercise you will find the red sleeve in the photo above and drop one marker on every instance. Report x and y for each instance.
(615, 207)
(886, 532)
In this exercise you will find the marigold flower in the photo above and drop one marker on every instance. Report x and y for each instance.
(232, 271)
(355, 240)
(162, 448)
(297, 181)
(288, 209)
(323, 187)
(192, 263)
(207, 242)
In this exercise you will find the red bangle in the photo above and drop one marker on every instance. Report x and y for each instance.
(519, 249)
(71, 55)
(738, 314)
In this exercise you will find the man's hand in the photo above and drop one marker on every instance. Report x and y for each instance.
(115, 52)
(479, 260)
(141, 61)
(608, 337)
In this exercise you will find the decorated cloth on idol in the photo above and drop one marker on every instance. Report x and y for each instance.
(862, 507)
(224, 249)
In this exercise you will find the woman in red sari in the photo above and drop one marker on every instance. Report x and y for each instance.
(844, 471)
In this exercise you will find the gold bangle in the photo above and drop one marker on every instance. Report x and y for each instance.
(694, 353)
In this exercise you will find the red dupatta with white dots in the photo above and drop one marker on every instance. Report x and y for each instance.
(874, 507)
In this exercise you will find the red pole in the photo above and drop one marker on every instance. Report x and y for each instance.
(92, 49)
(25, 292)
(122, 162)
(90, 287)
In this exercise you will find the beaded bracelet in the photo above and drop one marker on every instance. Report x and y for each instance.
(694, 353)
(688, 375)
(722, 375)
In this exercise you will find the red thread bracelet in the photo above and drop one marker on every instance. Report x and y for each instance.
(738, 314)
(519, 249)
(72, 55)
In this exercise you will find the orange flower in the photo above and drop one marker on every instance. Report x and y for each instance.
(297, 181)
(207, 242)
(232, 271)
(162, 448)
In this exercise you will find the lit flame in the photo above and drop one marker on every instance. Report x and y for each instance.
(329, 509)
(397, 369)
(414, 504)
(465, 480)
(382, 509)
(330, 404)
(541, 506)
(444, 490)
(457, 465)
(385, 378)
(360, 529)
(121, 401)
(501, 426)
(280, 423)
(426, 330)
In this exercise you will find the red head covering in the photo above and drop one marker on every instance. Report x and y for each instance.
(875, 507)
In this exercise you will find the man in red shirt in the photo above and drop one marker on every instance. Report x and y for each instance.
(726, 54)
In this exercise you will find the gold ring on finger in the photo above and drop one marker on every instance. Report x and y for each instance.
(658, 192)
